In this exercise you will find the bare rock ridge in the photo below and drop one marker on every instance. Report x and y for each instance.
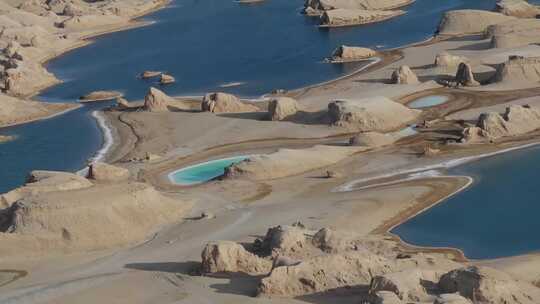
(404, 75)
(370, 114)
(59, 212)
(307, 262)
(225, 103)
(514, 33)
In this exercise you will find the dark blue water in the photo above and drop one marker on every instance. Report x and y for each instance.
(64, 143)
(496, 217)
(203, 44)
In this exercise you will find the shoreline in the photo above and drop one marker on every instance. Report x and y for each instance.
(70, 107)
(107, 136)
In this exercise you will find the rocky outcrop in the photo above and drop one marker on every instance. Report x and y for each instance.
(517, 8)
(517, 120)
(330, 261)
(103, 172)
(404, 75)
(347, 17)
(322, 273)
(100, 96)
(156, 101)
(282, 107)
(465, 76)
(284, 240)
(122, 103)
(519, 69)
(351, 53)
(225, 103)
(166, 79)
(312, 7)
(150, 74)
(226, 256)
(371, 139)
(378, 114)
(447, 60)
(467, 22)
(514, 33)
(407, 285)
(483, 285)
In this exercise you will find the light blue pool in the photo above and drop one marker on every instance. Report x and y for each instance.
(203, 172)
(428, 101)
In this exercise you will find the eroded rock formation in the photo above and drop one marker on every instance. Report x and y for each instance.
(282, 107)
(404, 75)
(225, 103)
(156, 101)
(347, 17)
(465, 76)
(328, 261)
(351, 53)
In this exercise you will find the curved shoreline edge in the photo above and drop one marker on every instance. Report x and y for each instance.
(107, 135)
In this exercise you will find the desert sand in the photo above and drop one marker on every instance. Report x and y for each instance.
(307, 219)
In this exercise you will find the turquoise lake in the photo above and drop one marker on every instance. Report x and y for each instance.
(203, 172)
(427, 101)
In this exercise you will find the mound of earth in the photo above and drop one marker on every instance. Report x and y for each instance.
(288, 162)
(517, 8)
(351, 53)
(467, 22)
(378, 114)
(519, 70)
(83, 217)
(514, 33)
(346, 17)
(225, 103)
(282, 107)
